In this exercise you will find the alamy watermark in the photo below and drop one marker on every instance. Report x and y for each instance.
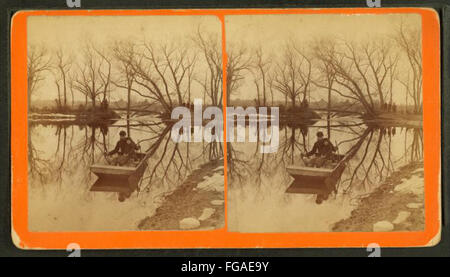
(263, 127)
(373, 3)
(73, 3)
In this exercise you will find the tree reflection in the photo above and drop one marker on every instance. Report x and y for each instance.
(372, 154)
(376, 153)
(74, 147)
(38, 166)
(238, 166)
(374, 161)
(77, 147)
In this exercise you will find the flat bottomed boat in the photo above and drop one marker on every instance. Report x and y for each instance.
(312, 180)
(122, 179)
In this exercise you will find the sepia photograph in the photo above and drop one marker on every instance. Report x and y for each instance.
(224, 128)
(345, 91)
(101, 92)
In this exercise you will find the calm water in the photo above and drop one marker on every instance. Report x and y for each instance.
(257, 198)
(60, 156)
(59, 159)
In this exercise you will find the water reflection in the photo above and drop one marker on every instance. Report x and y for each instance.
(258, 181)
(60, 156)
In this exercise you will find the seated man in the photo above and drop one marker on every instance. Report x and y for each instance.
(125, 148)
(323, 150)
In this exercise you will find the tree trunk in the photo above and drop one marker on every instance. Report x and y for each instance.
(329, 113)
(65, 89)
(128, 110)
(73, 101)
(264, 87)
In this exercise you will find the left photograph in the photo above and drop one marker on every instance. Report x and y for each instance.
(102, 153)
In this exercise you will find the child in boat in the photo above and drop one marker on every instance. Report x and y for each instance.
(125, 148)
(323, 150)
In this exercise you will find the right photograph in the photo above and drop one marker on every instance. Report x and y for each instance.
(342, 95)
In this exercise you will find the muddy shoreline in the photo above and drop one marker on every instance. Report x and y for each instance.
(189, 201)
(387, 202)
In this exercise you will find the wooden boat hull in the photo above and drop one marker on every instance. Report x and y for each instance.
(121, 179)
(305, 177)
(308, 171)
(100, 169)
(311, 180)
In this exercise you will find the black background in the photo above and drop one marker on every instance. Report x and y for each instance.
(9, 7)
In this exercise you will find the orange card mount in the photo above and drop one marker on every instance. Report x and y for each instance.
(102, 102)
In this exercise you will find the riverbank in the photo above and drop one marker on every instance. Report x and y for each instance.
(198, 203)
(298, 114)
(91, 116)
(397, 205)
(395, 119)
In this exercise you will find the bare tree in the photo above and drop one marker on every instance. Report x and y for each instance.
(71, 79)
(393, 76)
(361, 72)
(162, 72)
(293, 74)
(409, 40)
(270, 82)
(180, 64)
(62, 66)
(38, 62)
(57, 81)
(105, 73)
(124, 53)
(190, 80)
(326, 78)
(260, 67)
(239, 61)
(211, 50)
(94, 74)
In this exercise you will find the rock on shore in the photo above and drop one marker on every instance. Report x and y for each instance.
(189, 206)
(396, 205)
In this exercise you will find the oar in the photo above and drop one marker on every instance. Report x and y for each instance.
(105, 155)
(301, 156)
(335, 143)
(139, 144)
